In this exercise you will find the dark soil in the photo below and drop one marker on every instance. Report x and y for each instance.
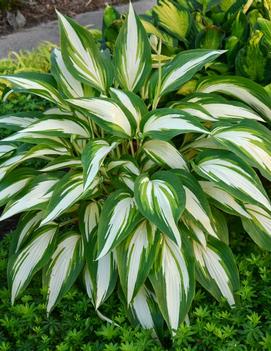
(39, 11)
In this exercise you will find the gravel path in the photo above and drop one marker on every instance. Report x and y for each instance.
(30, 38)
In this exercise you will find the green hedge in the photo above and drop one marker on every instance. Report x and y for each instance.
(73, 325)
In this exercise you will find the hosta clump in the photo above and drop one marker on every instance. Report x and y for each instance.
(134, 185)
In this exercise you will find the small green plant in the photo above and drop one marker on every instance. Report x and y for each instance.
(241, 27)
(133, 185)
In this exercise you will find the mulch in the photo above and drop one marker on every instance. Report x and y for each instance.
(36, 12)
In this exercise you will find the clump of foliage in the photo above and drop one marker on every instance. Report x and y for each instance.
(240, 27)
(74, 326)
(135, 184)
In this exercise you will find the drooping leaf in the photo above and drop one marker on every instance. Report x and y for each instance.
(216, 269)
(108, 115)
(34, 196)
(181, 69)
(92, 158)
(118, 219)
(41, 84)
(162, 152)
(165, 124)
(135, 257)
(30, 259)
(223, 200)
(100, 276)
(161, 199)
(64, 267)
(68, 190)
(250, 141)
(259, 226)
(13, 183)
(233, 175)
(241, 88)
(173, 282)
(57, 126)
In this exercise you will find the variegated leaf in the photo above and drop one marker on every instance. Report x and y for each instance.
(68, 190)
(197, 208)
(135, 257)
(250, 141)
(100, 276)
(57, 126)
(161, 199)
(31, 259)
(118, 218)
(62, 162)
(28, 222)
(13, 183)
(162, 152)
(216, 269)
(65, 265)
(233, 175)
(131, 102)
(173, 282)
(166, 123)
(259, 226)
(241, 88)
(181, 69)
(17, 121)
(34, 196)
(132, 54)
(223, 200)
(92, 158)
(108, 115)
(7, 148)
(193, 109)
(82, 56)
(69, 85)
(40, 84)
(229, 110)
(144, 310)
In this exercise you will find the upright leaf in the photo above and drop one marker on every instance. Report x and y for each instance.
(70, 86)
(132, 54)
(82, 56)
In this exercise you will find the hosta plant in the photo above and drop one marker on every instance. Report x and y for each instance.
(122, 184)
(240, 27)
